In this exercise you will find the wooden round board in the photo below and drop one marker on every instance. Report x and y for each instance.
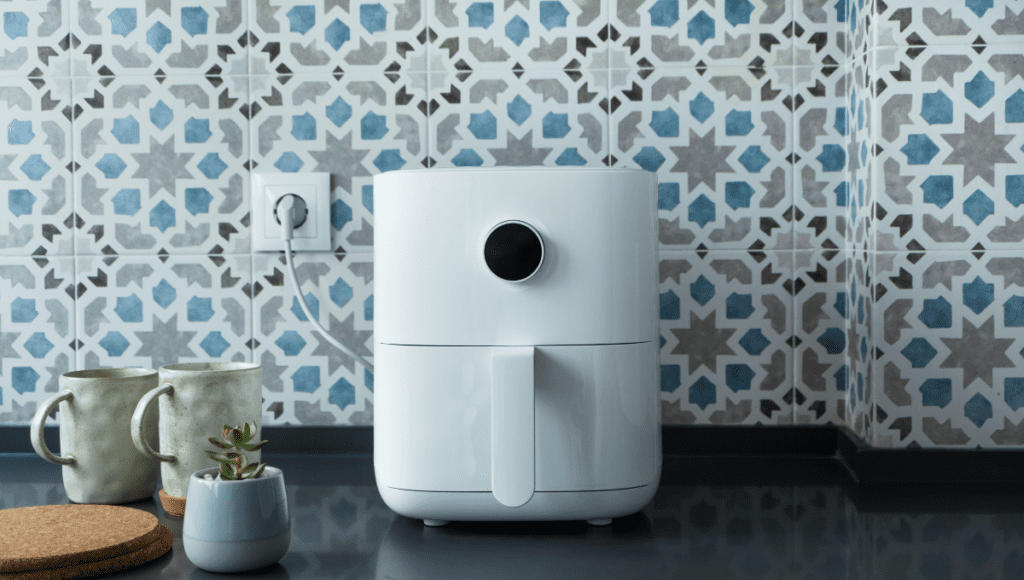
(45, 538)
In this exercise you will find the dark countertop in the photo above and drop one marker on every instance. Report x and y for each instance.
(713, 517)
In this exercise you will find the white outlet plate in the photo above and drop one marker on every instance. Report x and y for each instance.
(314, 188)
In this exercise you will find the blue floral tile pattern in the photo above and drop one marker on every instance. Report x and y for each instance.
(820, 169)
(720, 143)
(37, 332)
(35, 167)
(307, 380)
(819, 32)
(337, 36)
(965, 22)
(951, 149)
(860, 151)
(667, 33)
(726, 322)
(35, 39)
(353, 126)
(137, 311)
(161, 37)
(861, 333)
(949, 341)
(162, 165)
(536, 118)
(821, 304)
(523, 35)
(860, 26)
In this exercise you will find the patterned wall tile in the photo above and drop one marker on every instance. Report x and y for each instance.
(726, 323)
(949, 349)
(951, 148)
(309, 381)
(35, 166)
(860, 343)
(141, 311)
(859, 38)
(35, 39)
(966, 22)
(819, 32)
(353, 126)
(720, 141)
(167, 37)
(552, 118)
(820, 313)
(554, 34)
(337, 36)
(161, 165)
(660, 33)
(820, 133)
(37, 333)
(859, 157)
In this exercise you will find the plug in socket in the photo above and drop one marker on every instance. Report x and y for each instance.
(313, 234)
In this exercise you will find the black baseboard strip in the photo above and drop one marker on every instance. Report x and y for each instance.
(748, 440)
(874, 466)
(713, 452)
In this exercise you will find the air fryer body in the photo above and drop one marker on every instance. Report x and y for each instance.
(516, 343)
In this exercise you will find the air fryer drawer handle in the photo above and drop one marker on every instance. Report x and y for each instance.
(512, 428)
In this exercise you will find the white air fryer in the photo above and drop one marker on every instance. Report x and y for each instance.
(516, 343)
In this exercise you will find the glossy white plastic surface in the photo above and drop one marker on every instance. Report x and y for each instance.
(528, 400)
(512, 429)
(597, 421)
(597, 284)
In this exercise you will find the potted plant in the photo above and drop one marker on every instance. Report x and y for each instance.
(236, 517)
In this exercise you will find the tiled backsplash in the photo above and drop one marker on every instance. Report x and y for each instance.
(840, 191)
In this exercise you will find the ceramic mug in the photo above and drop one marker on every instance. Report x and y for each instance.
(100, 463)
(200, 399)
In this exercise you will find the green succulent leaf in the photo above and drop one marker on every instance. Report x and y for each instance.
(255, 446)
(226, 472)
(246, 433)
(249, 469)
(259, 470)
(220, 444)
(218, 457)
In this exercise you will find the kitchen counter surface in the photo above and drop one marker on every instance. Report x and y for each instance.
(713, 517)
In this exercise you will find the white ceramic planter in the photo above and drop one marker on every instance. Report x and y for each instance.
(236, 526)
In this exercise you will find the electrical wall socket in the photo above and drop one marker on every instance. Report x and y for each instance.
(314, 188)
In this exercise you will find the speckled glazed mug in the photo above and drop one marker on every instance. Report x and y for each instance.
(200, 399)
(100, 463)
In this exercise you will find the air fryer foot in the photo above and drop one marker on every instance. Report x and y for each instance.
(600, 522)
(434, 523)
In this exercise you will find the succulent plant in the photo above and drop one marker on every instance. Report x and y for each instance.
(233, 464)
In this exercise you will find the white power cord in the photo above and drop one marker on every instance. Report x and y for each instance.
(285, 206)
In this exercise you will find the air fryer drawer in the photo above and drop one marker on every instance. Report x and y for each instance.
(597, 418)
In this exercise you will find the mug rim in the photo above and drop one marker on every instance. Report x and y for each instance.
(109, 374)
(209, 367)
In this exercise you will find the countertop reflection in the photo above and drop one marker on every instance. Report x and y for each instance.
(713, 517)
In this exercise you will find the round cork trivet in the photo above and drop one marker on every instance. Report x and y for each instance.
(160, 546)
(68, 535)
(174, 506)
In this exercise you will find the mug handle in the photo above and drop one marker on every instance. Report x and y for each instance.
(137, 420)
(36, 433)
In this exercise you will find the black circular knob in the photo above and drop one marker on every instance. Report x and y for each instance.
(513, 251)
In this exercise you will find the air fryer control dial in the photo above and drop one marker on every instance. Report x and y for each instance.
(514, 251)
